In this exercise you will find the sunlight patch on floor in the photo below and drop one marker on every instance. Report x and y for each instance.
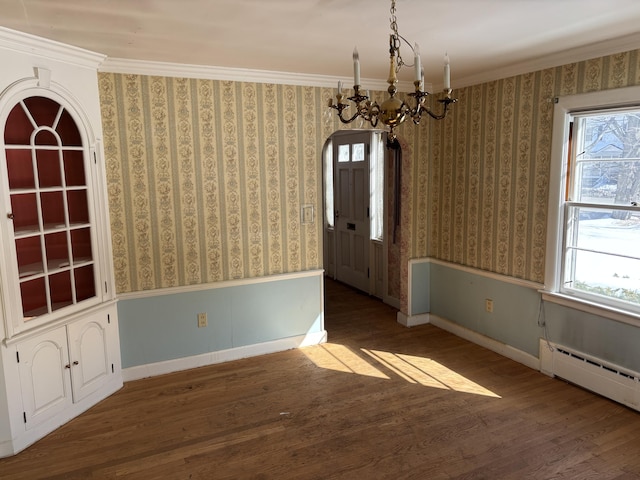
(341, 359)
(413, 369)
(426, 371)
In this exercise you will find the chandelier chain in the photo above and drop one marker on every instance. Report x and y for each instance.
(394, 20)
(396, 38)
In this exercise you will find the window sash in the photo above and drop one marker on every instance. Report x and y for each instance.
(601, 271)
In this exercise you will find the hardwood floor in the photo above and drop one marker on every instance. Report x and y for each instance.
(379, 401)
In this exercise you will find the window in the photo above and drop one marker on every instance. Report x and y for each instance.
(597, 247)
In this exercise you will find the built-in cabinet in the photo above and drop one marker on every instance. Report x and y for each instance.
(60, 342)
(65, 365)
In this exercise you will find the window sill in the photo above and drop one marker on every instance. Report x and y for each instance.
(611, 313)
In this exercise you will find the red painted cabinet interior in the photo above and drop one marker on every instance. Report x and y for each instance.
(49, 196)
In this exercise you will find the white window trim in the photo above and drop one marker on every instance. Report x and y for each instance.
(565, 106)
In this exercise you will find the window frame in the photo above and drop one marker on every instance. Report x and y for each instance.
(564, 110)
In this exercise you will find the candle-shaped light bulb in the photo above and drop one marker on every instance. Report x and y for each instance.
(416, 62)
(421, 78)
(447, 75)
(339, 87)
(356, 67)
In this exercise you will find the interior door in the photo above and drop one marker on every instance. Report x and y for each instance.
(351, 203)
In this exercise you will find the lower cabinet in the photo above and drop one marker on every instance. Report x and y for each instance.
(61, 372)
(64, 366)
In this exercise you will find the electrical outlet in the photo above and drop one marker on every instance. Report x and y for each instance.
(202, 319)
(488, 305)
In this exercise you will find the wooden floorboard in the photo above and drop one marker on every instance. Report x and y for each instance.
(379, 401)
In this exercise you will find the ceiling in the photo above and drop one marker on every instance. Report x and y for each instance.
(485, 39)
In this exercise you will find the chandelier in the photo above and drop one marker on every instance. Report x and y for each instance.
(393, 111)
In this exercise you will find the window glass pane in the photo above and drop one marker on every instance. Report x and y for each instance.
(602, 254)
(607, 161)
(25, 213)
(20, 169)
(34, 298)
(56, 250)
(343, 153)
(358, 152)
(78, 206)
(29, 253)
(68, 130)
(18, 128)
(84, 283)
(46, 137)
(74, 168)
(52, 210)
(377, 185)
(43, 110)
(61, 290)
(81, 245)
(328, 184)
(48, 165)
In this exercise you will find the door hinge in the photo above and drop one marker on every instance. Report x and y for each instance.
(367, 212)
(24, 417)
(18, 357)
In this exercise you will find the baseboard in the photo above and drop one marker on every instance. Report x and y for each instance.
(501, 348)
(211, 358)
(412, 320)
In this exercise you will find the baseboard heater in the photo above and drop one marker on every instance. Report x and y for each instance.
(601, 377)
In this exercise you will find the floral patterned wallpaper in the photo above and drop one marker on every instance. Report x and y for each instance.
(488, 185)
(206, 179)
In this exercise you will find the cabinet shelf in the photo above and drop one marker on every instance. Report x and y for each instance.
(58, 188)
(35, 270)
(34, 230)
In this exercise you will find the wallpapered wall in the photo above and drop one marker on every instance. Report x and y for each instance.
(488, 188)
(206, 179)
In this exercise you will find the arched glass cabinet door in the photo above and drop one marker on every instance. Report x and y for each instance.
(50, 207)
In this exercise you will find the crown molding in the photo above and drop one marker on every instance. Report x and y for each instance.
(33, 45)
(144, 67)
(566, 57)
(578, 54)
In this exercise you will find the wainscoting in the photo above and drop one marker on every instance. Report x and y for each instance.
(159, 329)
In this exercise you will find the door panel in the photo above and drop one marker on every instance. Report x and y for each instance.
(351, 201)
(89, 355)
(44, 376)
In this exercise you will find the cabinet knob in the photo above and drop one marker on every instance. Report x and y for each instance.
(76, 362)
(67, 366)
(10, 216)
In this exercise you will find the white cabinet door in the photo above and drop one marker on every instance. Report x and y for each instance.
(44, 376)
(89, 352)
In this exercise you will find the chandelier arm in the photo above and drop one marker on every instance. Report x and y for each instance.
(347, 120)
(445, 102)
